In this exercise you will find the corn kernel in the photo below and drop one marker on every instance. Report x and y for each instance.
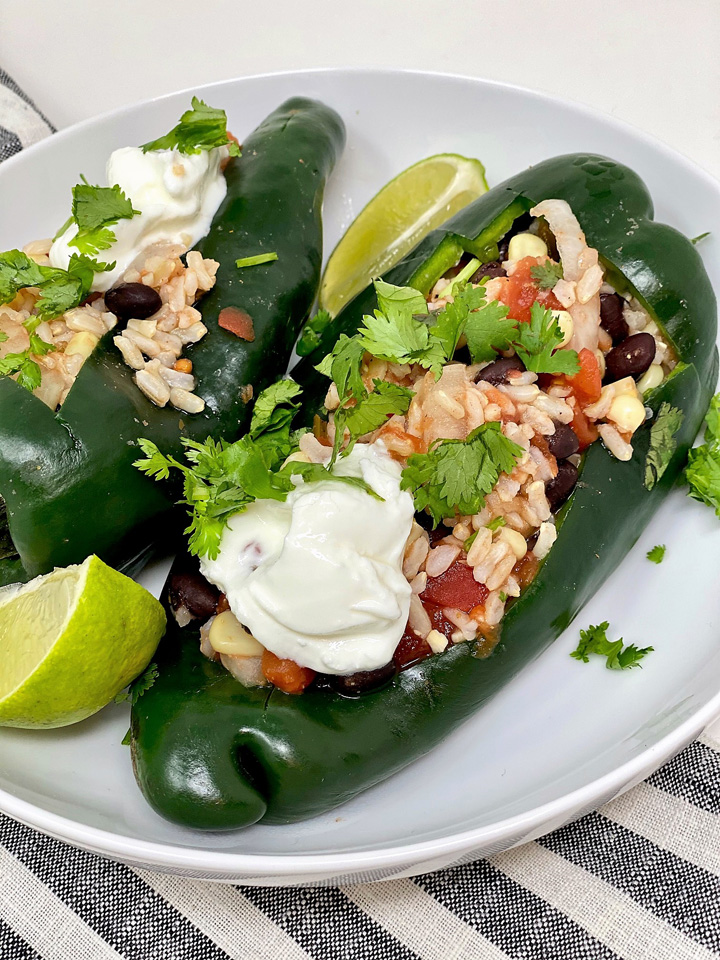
(228, 636)
(627, 412)
(526, 245)
(436, 641)
(183, 365)
(515, 540)
(565, 322)
(82, 343)
(652, 378)
(298, 457)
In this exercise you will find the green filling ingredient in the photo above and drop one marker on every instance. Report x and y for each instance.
(702, 473)
(200, 128)
(657, 554)
(662, 443)
(256, 260)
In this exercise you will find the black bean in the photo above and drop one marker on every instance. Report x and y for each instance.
(611, 316)
(631, 358)
(497, 371)
(492, 269)
(564, 442)
(133, 301)
(559, 489)
(192, 591)
(365, 681)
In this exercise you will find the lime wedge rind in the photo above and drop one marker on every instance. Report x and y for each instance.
(405, 210)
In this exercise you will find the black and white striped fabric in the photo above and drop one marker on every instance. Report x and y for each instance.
(637, 880)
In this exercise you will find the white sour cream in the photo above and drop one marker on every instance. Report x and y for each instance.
(318, 579)
(177, 195)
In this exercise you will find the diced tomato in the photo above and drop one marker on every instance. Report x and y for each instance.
(410, 649)
(520, 292)
(287, 675)
(585, 429)
(586, 384)
(237, 321)
(456, 588)
(439, 620)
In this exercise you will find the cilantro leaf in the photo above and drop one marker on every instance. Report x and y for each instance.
(393, 333)
(547, 274)
(127, 739)
(702, 473)
(200, 128)
(537, 342)
(456, 475)
(496, 524)
(343, 367)
(451, 321)
(94, 211)
(470, 541)
(489, 330)
(270, 412)
(657, 554)
(594, 641)
(662, 443)
(372, 411)
(139, 686)
(256, 260)
(312, 333)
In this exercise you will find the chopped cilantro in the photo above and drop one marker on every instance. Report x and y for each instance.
(702, 473)
(594, 641)
(456, 475)
(489, 330)
(547, 274)
(138, 687)
(470, 541)
(256, 260)
(60, 290)
(699, 237)
(200, 128)
(221, 479)
(467, 271)
(657, 553)
(94, 211)
(372, 411)
(537, 342)
(662, 443)
(392, 333)
(496, 524)
(127, 739)
(343, 367)
(454, 318)
(503, 596)
(312, 333)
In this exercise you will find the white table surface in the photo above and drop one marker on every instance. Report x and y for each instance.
(653, 63)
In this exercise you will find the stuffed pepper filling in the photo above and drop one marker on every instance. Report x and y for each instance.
(122, 262)
(461, 418)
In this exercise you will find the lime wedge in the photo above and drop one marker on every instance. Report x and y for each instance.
(396, 219)
(70, 641)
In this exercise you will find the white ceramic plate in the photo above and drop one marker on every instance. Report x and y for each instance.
(562, 737)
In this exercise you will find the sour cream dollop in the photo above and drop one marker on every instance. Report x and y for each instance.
(318, 579)
(177, 195)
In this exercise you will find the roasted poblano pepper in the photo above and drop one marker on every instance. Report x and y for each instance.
(211, 754)
(66, 478)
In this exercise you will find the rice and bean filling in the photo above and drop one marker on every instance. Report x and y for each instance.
(153, 310)
(464, 572)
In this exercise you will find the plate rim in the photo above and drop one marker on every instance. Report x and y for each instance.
(267, 866)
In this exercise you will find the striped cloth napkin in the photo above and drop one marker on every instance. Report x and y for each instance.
(637, 880)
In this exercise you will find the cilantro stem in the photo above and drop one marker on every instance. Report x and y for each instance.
(257, 259)
(467, 271)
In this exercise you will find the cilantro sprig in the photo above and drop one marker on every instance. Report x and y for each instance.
(547, 274)
(702, 473)
(94, 211)
(200, 128)
(455, 476)
(537, 344)
(312, 333)
(662, 443)
(60, 290)
(221, 479)
(594, 641)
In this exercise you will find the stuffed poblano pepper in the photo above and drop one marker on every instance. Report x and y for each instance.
(114, 332)
(488, 431)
